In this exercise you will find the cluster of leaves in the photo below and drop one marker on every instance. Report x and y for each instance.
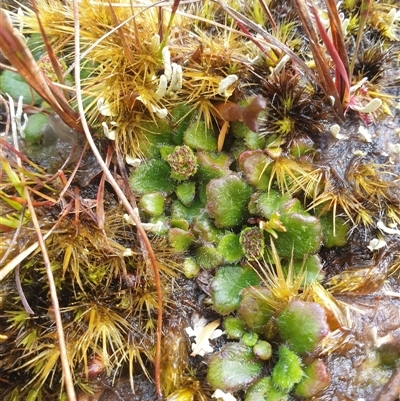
(208, 184)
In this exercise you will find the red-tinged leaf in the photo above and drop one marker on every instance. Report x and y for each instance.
(341, 73)
(342, 82)
(326, 81)
(265, 8)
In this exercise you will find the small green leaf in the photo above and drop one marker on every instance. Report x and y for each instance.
(265, 390)
(233, 368)
(227, 286)
(287, 371)
(152, 203)
(316, 378)
(199, 137)
(303, 325)
(234, 327)
(254, 308)
(152, 176)
(227, 199)
(303, 236)
(230, 249)
(13, 84)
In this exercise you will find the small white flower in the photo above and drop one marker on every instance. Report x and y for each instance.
(133, 161)
(159, 112)
(16, 116)
(365, 135)
(223, 396)
(110, 134)
(359, 152)
(155, 43)
(376, 244)
(166, 58)
(371, 107)
(153, 227)
(224, 88)
(386, 229)
(127, 252)
(278, 68)
(394, 147)
(162, 87)
(358, 85)
(335, 129)
(104, 108)
(176, 79)
(203, 332)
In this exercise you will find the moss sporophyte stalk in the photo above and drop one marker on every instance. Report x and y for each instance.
(258, 147)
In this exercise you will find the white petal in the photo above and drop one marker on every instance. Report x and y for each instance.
(385, 229)
(162, 87)
(224, 85)
(372, 106)
(335, 129)
(376, 244)
(365, 135)
(166, 57)
(223, 396)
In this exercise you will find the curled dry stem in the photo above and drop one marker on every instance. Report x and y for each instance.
(123, 199)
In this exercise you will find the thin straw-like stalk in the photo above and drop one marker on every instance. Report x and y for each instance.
(67, 375)
(124, 200)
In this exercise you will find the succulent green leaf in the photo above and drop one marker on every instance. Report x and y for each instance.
(269, 203)
(303, 325)
(198, 136)
(186, 192)
(234, 327)
(257, 168)
(233, 368)
(335, 231)
(265, 390)
(263, 350)
(311, 267)
(227, 198)
(180, 239)
(207, 257)
(254, 308)
(287, 371)
(34, 128)
(181, 212)
(250, 339)
(316, 378)
(152, 203)
(152, 176)
(205, 229)
(230, 249)
(227, 286)
(303, 236)
(13, 84)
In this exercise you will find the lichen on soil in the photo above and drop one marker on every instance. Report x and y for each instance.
(259, 145)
